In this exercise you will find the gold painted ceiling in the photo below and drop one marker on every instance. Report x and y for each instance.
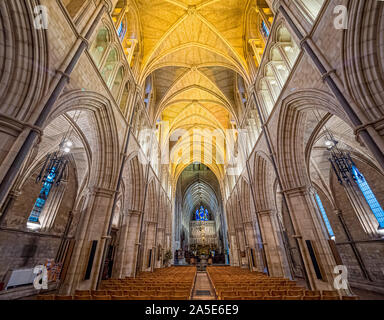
(194, 53)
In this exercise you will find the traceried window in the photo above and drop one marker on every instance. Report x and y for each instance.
(202, 214)
(265, 30)
(122, 30)
(369, 196)
(42, 199)
(100, 45)
(324, 215)
(148, 92)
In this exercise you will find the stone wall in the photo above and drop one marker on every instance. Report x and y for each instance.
(22, 249)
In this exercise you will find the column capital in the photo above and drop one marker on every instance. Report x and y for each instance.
(366, 125)
(99, 191)
(17, 125)
(300, 190)
(134, 212)
(265, 212)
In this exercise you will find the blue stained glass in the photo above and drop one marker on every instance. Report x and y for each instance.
(202, 214)
(265, 29)
(369, 196)
(121, 30)
(324, 214)
(43, 196)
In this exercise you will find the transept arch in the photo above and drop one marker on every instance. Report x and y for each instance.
(291, 131)
(104, 141)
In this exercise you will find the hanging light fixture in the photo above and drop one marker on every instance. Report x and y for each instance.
(341, 161)
(348, 174)
(55, 164)
(51, 174)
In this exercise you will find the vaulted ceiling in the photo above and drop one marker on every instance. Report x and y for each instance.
(194, 54)
(192, 33)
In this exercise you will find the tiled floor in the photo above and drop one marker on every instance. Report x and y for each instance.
(203, 284)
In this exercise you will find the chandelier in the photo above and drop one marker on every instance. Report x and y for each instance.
(342, 163)
(51, 174)
(55, 164)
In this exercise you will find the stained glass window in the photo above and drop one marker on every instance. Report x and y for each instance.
(324, 214)
(369, 196)
(264, 29)
(202, 214)
(43, 196)
(121, 30)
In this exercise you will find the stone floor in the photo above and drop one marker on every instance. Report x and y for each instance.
(203, 289)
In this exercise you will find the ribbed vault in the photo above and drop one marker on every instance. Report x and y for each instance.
(171, 26)
(194, 56)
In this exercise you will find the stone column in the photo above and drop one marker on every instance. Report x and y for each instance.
(148, 244)
(308, 227)
(161, 242)
(271, 243)
(253, 244)
(131, 244)
(121, 249)
(92, 227)
(235, 258)
(241, 246)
